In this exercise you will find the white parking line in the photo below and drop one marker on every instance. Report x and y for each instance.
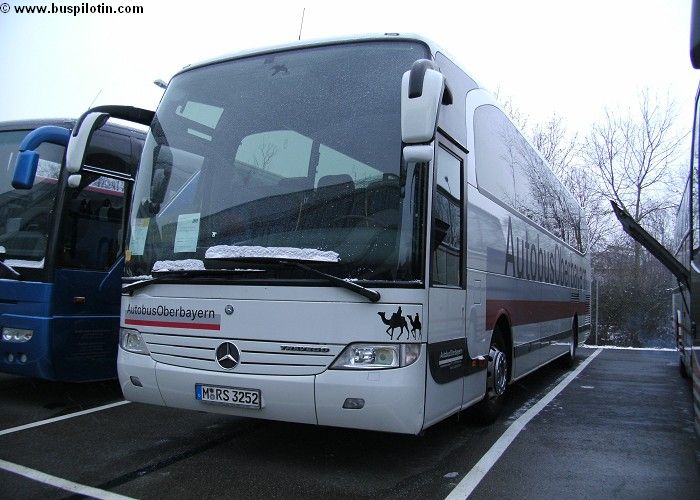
(58, 482)
(63, 417)
(467, 485)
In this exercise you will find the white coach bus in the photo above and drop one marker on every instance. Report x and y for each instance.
(348, 232)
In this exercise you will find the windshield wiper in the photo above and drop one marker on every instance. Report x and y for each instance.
(169, 276)
(372, 295)
(179, 276)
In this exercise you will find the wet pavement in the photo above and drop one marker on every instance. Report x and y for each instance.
(622, 428)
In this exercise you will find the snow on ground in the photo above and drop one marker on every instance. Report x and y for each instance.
(178, 265)
(629, 348)
(233, 252)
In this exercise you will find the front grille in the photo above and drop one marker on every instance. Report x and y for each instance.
(257, 357)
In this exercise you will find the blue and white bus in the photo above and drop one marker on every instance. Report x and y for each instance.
(61, 248)
(348, 232)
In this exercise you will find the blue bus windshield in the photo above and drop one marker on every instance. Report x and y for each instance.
(25, 215)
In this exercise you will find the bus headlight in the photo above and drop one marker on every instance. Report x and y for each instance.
(16, 334)
(376, 356)
(132, 341)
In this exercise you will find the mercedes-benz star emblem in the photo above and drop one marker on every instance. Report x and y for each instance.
(228, 355)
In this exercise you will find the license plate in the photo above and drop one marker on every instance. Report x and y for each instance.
(231, 396)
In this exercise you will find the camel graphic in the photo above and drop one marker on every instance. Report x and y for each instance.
(396, 321)
(415, 325)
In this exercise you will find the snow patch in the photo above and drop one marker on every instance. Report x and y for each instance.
(234, 252)
(178, 265)
(139, 278)
(630, 348)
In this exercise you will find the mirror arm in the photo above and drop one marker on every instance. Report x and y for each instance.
(28, 159)
(48, 133)
(129, 113)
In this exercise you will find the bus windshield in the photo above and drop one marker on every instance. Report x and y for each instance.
(298, 149)
(25, 215)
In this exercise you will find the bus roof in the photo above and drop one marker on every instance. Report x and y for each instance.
(111, 126)
(432, 46)
(32, 124)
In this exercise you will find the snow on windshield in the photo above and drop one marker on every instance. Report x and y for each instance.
(178, 265)
(233, 252)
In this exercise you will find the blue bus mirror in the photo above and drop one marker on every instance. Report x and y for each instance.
(28, 158)
(25, 170)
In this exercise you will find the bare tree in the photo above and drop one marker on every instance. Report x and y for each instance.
(264, 155)
(632, 154)
(556, 146)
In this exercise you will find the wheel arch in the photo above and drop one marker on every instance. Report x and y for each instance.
(503, 326)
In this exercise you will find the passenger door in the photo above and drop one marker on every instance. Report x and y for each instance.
(447, 293)
(88, 265)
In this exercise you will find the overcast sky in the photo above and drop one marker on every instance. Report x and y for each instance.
(572, 58)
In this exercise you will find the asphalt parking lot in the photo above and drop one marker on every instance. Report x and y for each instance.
(622, 428)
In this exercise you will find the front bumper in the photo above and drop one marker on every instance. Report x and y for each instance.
(394, 399)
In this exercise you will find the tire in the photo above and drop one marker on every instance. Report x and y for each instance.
(497, 377)
(568, 361)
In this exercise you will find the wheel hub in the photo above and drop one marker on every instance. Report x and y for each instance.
(497, 372)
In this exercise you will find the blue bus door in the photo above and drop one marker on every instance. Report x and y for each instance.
(88, 264)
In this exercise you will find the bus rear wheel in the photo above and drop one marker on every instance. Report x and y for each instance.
(569, 359)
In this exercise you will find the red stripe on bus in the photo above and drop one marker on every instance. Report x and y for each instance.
(525, 312)
(173, 324)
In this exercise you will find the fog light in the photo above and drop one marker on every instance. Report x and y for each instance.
(136, 381)
(16, 334)
(23, 358)
(10, 357)
(354, 404)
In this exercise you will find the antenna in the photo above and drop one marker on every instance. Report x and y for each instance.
(93, 101)
(301, 26)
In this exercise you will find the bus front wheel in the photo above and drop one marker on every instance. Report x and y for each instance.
(489, 408)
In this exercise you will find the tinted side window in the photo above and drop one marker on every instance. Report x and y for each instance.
(92, 224)
(695, 178)
(494, 160)
(110, 151)
(511, 170)
(447, 221)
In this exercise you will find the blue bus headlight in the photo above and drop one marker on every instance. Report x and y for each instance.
(376, 356)
(16, 334)
(132, 341)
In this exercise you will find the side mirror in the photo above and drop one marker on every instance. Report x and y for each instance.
(414, 153)
(421, 93)
(28, 159)
(80, 138)
(74, 180)
(93, 119)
